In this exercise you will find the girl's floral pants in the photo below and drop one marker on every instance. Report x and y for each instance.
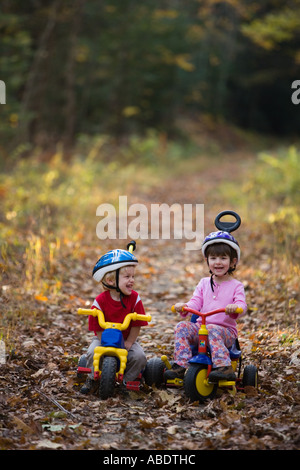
(186, 336)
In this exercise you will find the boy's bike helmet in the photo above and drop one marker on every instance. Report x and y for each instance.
(112, 261)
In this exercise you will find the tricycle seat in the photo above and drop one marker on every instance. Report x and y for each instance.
(234, 351)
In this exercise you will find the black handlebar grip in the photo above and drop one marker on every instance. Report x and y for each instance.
(133, 244)
(228, 226)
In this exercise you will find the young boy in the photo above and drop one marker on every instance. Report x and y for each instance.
(116, 270)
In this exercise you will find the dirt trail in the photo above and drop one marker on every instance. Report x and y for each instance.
(40, 403)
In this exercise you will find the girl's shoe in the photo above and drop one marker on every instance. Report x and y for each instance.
(90, 386)
(176, 372)
(222, 373)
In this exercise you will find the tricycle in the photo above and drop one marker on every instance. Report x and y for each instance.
(110, 358)
(196, 383)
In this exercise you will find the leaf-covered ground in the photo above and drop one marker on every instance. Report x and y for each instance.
(40, 403)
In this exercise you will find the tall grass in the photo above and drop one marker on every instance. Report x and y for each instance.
(48, 204)
(270, 198)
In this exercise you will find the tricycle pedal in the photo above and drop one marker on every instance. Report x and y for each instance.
(226, 383)
(133, 385)
(174, 382)
(166, 362)
(84, 370)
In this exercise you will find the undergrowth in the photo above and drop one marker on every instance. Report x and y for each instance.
(48, 207)
(270, 199)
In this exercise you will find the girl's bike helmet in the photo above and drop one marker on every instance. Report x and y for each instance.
(221, 237)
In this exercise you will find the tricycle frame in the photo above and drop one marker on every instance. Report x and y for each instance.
(112, 345)
(196, 379)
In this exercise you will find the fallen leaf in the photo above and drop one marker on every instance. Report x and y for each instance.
(250, 391)
(47, 444)
(41, 298)
(21, 425)
(172, 429)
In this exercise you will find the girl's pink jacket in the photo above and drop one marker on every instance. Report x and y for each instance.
(228, 292)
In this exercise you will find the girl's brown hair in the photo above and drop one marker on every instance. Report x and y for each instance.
(219, 249)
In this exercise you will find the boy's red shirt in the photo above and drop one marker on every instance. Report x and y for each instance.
(115, 312)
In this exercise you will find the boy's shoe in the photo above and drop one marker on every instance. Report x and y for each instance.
(176, 372)
(90, 386)
(222, 373)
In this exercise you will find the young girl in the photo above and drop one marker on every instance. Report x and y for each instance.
(220, 290)
(116, 271)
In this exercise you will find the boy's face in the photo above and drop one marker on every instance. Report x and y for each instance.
(126, 279)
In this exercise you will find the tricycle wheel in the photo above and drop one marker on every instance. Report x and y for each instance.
(195, 386)
(82, 363)
(250, 376)
(108, 377)
(154, 372)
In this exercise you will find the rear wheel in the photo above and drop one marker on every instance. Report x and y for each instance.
(195, 385)
(108, 377)
(154, 372)
(250, 376)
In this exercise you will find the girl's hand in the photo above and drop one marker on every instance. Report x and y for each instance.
(178, 308)
(230, 309)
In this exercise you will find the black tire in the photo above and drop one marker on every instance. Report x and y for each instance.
(250, 376)
(108, 377)
(82, 363)
(194, 386)
(154, 372)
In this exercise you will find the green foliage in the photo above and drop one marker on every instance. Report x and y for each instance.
(84, 67)
(270, 197)
(274, 28)
(280, 176)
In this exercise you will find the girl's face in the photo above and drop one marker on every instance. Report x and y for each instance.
(126, 279)
(219, 264)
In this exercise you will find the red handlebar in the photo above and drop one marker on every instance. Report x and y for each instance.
(203, 315)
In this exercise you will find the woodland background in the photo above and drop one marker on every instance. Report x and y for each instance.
(185, 102)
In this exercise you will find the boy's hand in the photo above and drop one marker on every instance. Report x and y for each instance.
(128, 345)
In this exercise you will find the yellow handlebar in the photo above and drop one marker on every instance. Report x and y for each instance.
(119, 326)
(173, 310)
(88, 311)
(239, 310)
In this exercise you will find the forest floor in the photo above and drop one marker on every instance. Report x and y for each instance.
(40, 403)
